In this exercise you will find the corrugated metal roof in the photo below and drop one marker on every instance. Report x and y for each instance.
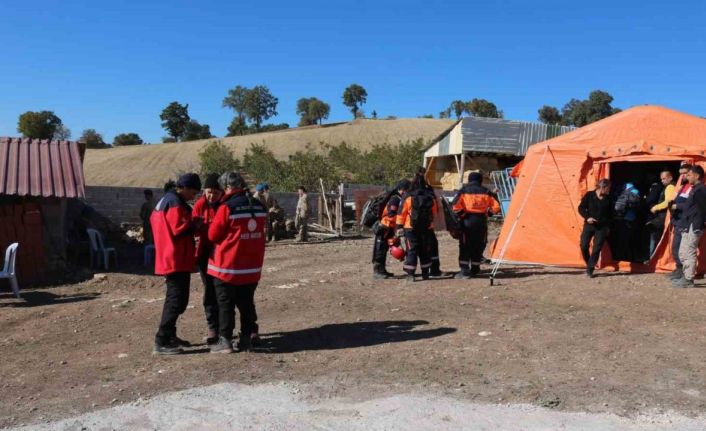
(34, 167)
(494, 135)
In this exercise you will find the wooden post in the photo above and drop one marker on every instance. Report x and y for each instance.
(328, 212)
(462, 168)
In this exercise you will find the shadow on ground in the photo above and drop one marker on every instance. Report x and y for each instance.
(39, 298)
(349, 335)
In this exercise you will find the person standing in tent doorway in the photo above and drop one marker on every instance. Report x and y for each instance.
(595, 208)
(694, 218)
(415, 222)
(473, 203)
(681, 196)
(659, 211)
(625, 230)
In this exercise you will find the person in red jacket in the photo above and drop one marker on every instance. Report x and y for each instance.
(238, 235)
(205, 209)
(173, 230)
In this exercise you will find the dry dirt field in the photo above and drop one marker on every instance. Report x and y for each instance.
(618, 343)
(150, 165)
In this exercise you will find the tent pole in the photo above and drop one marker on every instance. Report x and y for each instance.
(462, 168)
(496, 266)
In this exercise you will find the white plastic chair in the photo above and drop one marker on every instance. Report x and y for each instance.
(99, 250)
(8, 270)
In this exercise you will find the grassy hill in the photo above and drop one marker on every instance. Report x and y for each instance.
(152, 165)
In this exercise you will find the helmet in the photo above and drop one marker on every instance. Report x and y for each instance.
(398, 252)
(394, 241)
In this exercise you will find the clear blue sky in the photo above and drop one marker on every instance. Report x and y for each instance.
(114, 65)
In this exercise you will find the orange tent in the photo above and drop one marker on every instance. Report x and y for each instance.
(543, 225)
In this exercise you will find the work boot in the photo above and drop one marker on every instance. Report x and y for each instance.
(166, 349)
(463, 276)
(211, 338)
(589, 273)
(224, 345)
(410, 278)
(379, 272)
(255, 340)
(435, 270)
(683, 283)
(676, 274)
(425, 274)
(179, 342)
(244, 343)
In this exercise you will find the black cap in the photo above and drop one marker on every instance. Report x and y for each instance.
(189, 181)
(211, 182)
(475, 177)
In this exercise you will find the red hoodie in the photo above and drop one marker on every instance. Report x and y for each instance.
(206, 211)
(173, 235)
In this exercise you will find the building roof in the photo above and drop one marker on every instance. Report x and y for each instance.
(34, 167)
(493, 136)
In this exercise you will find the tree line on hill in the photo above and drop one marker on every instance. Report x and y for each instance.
(254, 106)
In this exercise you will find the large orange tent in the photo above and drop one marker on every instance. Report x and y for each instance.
(543, 225)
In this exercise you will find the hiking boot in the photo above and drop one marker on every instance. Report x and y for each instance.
(255, 340)
(379, 272)
(436, 273)
(244, 344)
(211, 338)
(682, 282)
(224, 345)
(166, 349)
(425, 275)
(462, 276)
(379, 276)
(589, 273)
(676, 274)
(410, 278)
(179, 342)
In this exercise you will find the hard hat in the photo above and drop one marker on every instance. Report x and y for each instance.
(398, 253)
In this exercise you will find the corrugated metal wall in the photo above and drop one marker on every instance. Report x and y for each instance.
(494, 135)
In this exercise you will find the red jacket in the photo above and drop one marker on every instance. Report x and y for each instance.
(173, 235)
(238, 234)
(206, 211)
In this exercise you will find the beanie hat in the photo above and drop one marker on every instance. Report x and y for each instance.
(260, 187)
(475, 177)
(189, 181)
(211, 182)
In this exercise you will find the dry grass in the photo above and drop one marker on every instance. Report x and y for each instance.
(152, 165)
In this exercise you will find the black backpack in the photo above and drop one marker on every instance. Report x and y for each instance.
(422, 209)
(372, 211)
(626, 200)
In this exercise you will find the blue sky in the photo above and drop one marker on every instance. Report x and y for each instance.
(113, 66)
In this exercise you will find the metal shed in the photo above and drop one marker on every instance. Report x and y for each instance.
(482, 143)
(38, 178)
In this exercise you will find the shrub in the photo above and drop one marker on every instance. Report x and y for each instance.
(218, 158)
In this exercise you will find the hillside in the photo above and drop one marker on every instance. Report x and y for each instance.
(152, 165)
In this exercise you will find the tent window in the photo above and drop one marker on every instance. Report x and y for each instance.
(635, 234)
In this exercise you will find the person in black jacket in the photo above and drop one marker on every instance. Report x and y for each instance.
(693, 213)
(595, 208)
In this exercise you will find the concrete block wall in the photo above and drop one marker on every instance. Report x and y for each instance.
(122, 204)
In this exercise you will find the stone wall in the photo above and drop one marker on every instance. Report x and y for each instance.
(122, 204)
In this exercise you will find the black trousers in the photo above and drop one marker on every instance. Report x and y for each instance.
(175, 302)
(210, 302)
(598, 235)
(381, 247)
(229, 297)
(434, 252)
(472, 243)
(676, 242)
(418, 249)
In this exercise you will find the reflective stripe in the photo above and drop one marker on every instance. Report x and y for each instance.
(257, 215)
(410, 267)
(435, 258)
(426, 265)
(463, 262)
(235, 271)
(475, 263)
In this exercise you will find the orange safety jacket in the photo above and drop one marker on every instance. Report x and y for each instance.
(475, 199)
(404, 217)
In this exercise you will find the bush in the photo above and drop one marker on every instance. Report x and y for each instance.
(217, 158)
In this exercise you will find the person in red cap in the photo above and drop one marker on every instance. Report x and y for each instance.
(205, 209)
(238, 235)
(173, 229)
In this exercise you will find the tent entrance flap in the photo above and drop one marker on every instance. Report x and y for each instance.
(635, 235)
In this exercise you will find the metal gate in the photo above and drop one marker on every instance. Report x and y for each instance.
(505, 186)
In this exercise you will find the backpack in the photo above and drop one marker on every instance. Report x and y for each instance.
(422, 210)
(373, 208)
(627, 200)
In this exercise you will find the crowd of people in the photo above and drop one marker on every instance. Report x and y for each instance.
(224, 236)
(633, 224)
(409, 215)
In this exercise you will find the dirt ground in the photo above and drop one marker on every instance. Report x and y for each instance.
(618, 343)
